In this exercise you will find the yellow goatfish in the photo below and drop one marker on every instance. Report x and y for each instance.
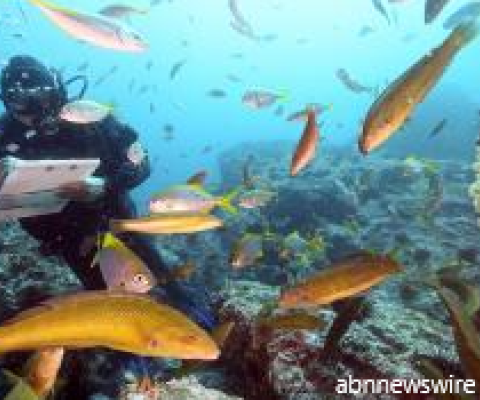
(93, 28)
(166, 224)
(348, 277)
(398, 101)
(129, 322)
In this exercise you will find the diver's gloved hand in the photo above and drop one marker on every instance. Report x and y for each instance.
(183, 299)
(87, 190)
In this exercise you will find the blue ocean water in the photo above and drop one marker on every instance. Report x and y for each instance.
(312, 39)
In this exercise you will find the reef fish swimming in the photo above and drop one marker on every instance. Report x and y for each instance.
(121, 268)
(93, 28)
(166, 224)
(127, 322)
(400, 98)
(307, 147)
(350, 276)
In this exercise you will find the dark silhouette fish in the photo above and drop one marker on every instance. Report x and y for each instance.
(465, 14)
(217, 93)
(438, 128)
(198, 179)
(239, 19)
(381, 9)
(176, 68)
(433, 8)
(350, 83)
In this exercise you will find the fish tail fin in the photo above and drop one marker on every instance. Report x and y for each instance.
(226, 201)
(465, 33)
(283, 95)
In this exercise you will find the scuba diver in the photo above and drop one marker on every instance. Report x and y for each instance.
(30, 129)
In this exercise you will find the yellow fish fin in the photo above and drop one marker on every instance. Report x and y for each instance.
(226, 201)
(283, 95)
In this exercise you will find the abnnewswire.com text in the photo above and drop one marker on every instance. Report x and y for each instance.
(399, 386)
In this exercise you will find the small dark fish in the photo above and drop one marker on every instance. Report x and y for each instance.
(107, 74)
(168, 128)
(433, 8)
(131, 85)
(350, 83)
(121, 11)
(237, 55)
(243, 30)
(18, 35)
(269, 37)
(82, 67)
(152, 108)
(381, 9)
(176, 68)
(22, 13)
(198, 179)
(154, 2)
(217, 93)
(438, 128)
(465, 14)
(233, 78)
(207, 149)
(149, 65)
(143, 89)
(365, 31)
(238, 17)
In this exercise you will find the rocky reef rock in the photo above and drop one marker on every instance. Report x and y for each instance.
(26, 276)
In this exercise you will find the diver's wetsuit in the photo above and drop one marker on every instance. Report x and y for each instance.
(64, 233)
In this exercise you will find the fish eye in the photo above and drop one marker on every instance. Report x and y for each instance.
(139, 278)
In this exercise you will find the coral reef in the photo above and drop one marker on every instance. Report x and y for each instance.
(422, 212)
(385, 343)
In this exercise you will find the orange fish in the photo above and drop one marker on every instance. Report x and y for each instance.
(42, 369)
(346, 278)
(307, 146)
